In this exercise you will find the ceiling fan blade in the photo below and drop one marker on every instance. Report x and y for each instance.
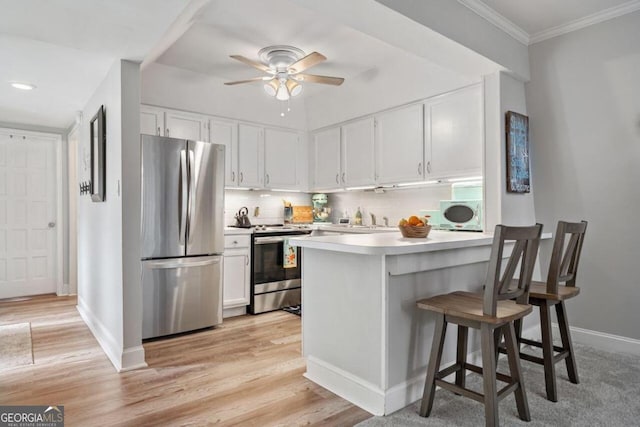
(313, 78)
(260, 66)
(255, 79)
(307, 62)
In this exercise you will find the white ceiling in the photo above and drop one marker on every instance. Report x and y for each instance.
(65, 47)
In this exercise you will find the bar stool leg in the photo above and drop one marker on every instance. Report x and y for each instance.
(489, 375)
(461, 355)
(434, 365)
(563, 324)
(547, 352)
(513, 355)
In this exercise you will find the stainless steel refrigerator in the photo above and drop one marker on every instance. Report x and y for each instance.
(182, 235)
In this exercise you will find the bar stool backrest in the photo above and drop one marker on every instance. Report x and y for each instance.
(563, 267)
(499, 284)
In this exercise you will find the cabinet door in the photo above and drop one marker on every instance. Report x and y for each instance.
(236, 278)
(226, 132)
(399, 145)
(280, 158)
(358, 153)
(151, 120)
(454, 134)
(326, 152)
(185, 125)
(250, 156)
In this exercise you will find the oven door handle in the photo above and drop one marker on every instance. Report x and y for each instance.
(267, 240)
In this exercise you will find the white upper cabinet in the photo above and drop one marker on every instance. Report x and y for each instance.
(280, 158)
(399, 145)
(326, 152)
(358, 154)
(250, 156)
(151, 120)
(186, 126)
(454, 134)
(226, 132)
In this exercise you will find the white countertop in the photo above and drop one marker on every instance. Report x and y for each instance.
(395, 244)
(230, 231)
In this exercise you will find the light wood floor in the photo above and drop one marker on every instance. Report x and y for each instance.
(246, 372)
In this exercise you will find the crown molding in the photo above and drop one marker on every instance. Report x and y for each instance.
(604, 15)
(498, 20)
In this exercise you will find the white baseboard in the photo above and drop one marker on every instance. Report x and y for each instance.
(122, 359)
(233, 312)
(63, 290)
(357, 391)
(601, 340)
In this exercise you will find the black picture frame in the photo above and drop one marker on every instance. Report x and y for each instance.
(98, 155)
(518, 167)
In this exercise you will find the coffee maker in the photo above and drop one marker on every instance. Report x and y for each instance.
(321, 212)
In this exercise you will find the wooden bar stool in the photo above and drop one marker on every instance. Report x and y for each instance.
(563, 268)
(489, 312)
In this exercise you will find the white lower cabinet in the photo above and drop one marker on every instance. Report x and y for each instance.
(236, 277)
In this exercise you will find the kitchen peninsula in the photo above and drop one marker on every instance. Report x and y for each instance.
(362, 336)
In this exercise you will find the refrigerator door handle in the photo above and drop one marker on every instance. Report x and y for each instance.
(192, 191)
(183, 192)
(180, 263)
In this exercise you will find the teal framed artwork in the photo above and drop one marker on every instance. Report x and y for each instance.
(518, 169)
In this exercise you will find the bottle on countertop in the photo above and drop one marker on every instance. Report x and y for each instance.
(358, 218)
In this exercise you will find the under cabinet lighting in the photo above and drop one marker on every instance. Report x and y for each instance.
(23, 85)
(471, 178)
(282, 190)
(410, 184)
(365, 187)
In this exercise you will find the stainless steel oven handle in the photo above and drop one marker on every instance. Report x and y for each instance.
(266, 240)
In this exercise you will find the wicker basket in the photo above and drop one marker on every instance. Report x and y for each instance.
(415, 231)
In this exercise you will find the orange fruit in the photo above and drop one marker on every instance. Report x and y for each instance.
(414, 220)
(420, 224)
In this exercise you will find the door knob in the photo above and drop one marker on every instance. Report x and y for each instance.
(51, 224)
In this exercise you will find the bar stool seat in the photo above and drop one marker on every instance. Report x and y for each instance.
(538, 290)
(468, 305)
(493, 313)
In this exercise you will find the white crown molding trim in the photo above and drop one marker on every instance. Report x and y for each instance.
(604, 15)
(498, 20)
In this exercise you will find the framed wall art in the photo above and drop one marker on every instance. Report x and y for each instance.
(518, 170)
(98, 155)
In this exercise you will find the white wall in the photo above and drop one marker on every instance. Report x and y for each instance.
(108, 296)
(584, 108)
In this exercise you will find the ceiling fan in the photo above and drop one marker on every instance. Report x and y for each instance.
(284, 66)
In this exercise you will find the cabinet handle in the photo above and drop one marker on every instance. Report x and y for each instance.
(420, 168)
(241, 177)
(267, 181)
(235, 242)
(337, 178)
(233, 176)
(158, 131)
(246, 260)
(343, 180)
(429, 167)
(167, 133)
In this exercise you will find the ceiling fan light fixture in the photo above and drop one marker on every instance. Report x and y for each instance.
(271, 87)
(283, 93)
(294, 87)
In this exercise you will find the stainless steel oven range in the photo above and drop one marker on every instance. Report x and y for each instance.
(276, 268)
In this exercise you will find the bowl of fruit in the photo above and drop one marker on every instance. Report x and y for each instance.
(415, 227)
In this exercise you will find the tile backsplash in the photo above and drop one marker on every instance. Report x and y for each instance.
(269, 204)
(394, 204)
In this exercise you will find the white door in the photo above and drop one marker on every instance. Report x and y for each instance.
(358, 154)
(399, 145)
(236, 278)
(27, 215)
(280, 158)
(151, 120)
(326, 152)
(185, 126)
(224, 132)
(250, 156)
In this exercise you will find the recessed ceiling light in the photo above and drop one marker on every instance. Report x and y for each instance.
(23, 85)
